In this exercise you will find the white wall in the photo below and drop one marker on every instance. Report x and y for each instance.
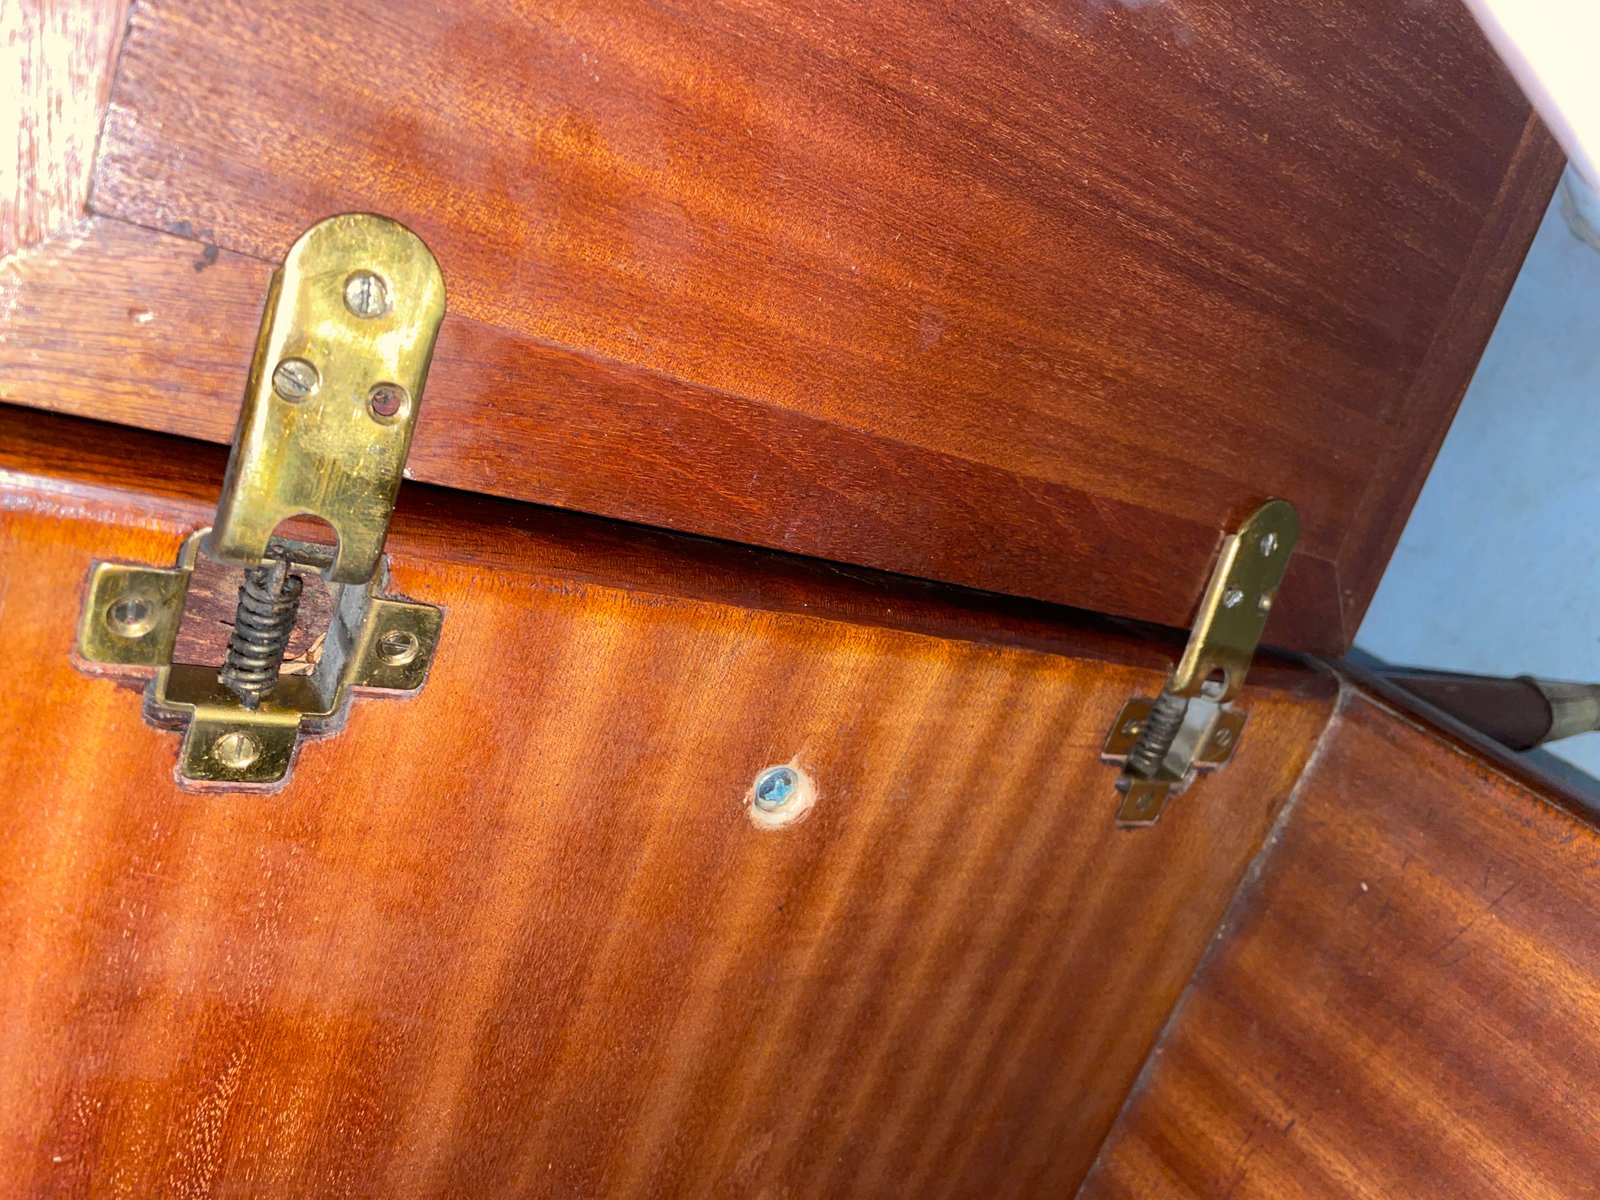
(1498, 571)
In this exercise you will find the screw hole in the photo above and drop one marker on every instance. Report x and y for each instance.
(774, 786)
(386, 401)
(131, 617)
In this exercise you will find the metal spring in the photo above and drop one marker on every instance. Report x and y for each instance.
(268, 602)
(1159, 732)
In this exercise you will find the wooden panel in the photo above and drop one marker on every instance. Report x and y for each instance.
(505, 414)
(517, 935)
(1407, 1002)
(55, 72)
(1008, 298)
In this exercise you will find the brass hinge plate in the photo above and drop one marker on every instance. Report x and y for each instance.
(332, 400)
(1161, 742)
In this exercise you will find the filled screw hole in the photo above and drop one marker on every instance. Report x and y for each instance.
(780, 796)
(387, 400)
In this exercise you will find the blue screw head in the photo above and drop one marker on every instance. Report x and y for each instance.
(774, 786)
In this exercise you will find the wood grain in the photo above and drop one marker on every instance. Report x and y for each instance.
(1005, 297)
(55, 72)
(1405, 1003)
(517, 936)
(506, 414)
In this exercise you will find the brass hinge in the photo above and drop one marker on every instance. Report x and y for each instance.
(1161, 742)
(329, 410)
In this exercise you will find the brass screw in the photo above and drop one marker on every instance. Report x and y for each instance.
(1222, 739)
(1131, 729)
(398, 647)
(294, 379)
(236, 750)
(1268, 545)
(130, 617)
(366, 295)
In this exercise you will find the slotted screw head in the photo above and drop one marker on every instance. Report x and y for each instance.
(295, 379)
(236, 750)
(398, 647)
(366, 294)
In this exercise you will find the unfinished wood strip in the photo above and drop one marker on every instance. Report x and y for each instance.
(56, 59)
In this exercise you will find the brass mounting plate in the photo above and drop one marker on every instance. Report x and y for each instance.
(1210, 736)
(1233, 615)
(130, 620)
(334, 391)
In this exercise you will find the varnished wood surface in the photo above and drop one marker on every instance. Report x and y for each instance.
(55, 76)
(517, 935)
(1404, 1004)
(1015, 298)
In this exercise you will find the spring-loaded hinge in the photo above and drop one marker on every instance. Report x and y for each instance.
(332, 399)
(1161, 743)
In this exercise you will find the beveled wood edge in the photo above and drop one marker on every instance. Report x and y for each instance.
(1523, 770)
(82, 466)
(1459, 340)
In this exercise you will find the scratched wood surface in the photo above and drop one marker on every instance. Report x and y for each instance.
(1404, 1004)
(1022, 298)
(518, 936)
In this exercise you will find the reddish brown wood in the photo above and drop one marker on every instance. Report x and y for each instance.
(517, 936)
(1025, 301)
(506, 414)
(1404, 1004)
